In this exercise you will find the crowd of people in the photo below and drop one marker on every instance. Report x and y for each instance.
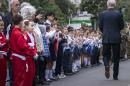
(39, 50)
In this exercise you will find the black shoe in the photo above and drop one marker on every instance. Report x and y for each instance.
(82, 65)
(99, 63)
(107, 72)
(115, 78)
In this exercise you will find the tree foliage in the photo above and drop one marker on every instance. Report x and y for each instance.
(62, 8)
(66, 6)
(96, 6)
(4, 6)
(124, 5)
(93, 6)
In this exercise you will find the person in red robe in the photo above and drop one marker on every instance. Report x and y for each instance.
(20, 51)
(3, 54)
(28, 25)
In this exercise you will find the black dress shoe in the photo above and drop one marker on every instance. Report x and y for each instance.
(115, 78)
(107, 72)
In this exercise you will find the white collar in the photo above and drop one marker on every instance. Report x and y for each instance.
(49, 22)
(31, 37)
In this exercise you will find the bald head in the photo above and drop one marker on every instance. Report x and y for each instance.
(13, 1)
(15, 6)
(111, 4)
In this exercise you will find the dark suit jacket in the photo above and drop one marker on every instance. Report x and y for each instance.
(111, 23)
(8, 19)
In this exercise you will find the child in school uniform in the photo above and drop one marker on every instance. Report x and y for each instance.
(94, 49)
(49, 71)
(3, 53)
(67, 59)
(59, 71)
(87, 49)
(76, 57)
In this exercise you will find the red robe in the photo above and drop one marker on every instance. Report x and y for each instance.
(3, 42)
(20, 51)
(31, 64)
(3, 60)
(34, 50)
(19, 44)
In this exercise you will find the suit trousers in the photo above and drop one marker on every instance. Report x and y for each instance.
(112, 50)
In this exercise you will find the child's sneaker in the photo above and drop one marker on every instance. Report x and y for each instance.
(62, 76)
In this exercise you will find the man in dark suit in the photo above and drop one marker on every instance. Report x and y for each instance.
(111, 23)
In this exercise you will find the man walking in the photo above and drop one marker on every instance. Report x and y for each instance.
(111, 23)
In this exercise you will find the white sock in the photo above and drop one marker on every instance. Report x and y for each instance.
(73, 67)
(50, 73)
(126, 56)
(89, 63)
(46, 74)
(76, 66)
(76, 62)
(86, 61)
(54, 65)
(79, 63)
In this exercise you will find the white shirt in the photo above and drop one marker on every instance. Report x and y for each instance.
(48, 22)
(32, 40)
